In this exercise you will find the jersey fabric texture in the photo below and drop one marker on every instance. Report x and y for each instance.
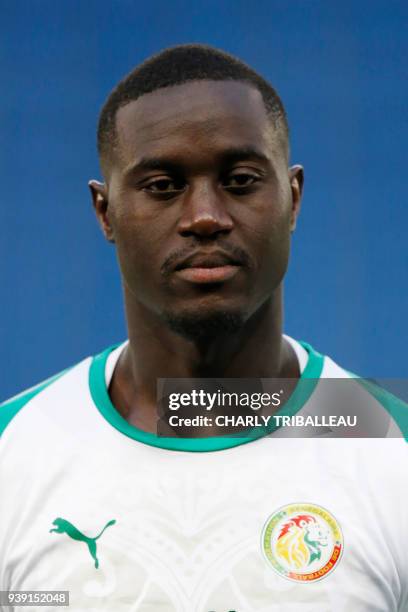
(128, 521)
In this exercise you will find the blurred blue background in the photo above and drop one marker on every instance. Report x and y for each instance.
(341, 69)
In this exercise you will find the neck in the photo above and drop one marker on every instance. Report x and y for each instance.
(154, 351)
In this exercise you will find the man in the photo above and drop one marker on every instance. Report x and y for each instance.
(199, 201)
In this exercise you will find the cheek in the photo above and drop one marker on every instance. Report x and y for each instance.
(276, 256)
(138, 244)
(271, 230)
(271, 247)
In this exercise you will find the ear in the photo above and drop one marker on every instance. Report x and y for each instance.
(296, 185)
(100, 202)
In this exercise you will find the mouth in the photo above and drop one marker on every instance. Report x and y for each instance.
(204, 275)
(208, 268)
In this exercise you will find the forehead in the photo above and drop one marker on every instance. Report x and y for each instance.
(195, 120)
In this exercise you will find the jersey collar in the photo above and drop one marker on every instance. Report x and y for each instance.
(102, 401)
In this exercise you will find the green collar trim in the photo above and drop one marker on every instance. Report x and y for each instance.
(103, 403)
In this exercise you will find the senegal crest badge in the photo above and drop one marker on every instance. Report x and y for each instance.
(302, 542)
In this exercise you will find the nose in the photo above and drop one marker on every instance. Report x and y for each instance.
(204, 212)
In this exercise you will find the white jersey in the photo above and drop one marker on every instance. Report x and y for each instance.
(127, 521)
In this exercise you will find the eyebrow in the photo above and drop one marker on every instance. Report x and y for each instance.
(225, 157)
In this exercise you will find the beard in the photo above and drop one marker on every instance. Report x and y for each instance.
(205, 326)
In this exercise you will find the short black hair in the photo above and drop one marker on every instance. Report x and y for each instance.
(178, 65)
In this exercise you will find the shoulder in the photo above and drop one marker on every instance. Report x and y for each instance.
(369, 398)
(67, 386)
(10, 407)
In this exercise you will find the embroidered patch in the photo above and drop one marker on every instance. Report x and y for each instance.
(302, 542)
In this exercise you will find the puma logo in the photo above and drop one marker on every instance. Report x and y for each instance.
(63, 526)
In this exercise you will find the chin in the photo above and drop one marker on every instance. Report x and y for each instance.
(201, 325)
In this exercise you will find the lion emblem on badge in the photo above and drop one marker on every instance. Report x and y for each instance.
(300, 541)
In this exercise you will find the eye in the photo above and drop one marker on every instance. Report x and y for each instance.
(240, 181)
(164, 186)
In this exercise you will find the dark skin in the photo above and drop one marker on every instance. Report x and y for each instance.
(198, 173)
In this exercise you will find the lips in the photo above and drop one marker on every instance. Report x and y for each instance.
(207, 260)
(205, 268)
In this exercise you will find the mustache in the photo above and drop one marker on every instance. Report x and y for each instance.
(233, 251)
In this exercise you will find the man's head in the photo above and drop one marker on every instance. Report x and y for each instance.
(198, 196)
(176, 66)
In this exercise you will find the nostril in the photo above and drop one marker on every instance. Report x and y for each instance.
(205, 225)
(204, 235)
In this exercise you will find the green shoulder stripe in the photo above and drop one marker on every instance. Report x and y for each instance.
(11, 407)
(396, 408)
